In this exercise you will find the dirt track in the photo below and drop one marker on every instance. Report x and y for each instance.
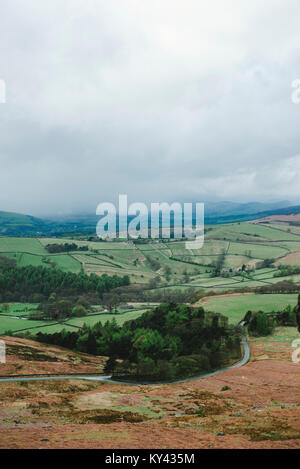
(206, 298)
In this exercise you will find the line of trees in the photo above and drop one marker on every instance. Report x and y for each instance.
(286, 286)
(218, 264)
(65, 247)
(285, 270)
(26, 283)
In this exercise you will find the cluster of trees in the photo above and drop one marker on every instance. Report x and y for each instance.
(141, 241)
(266, 263)
(285, 270)
(66, 247)
(163, 294)
(167, 273)
(59, 310)
(169, 342)
(154, 264)
(218, 264)
(262, 324)
(37, 283)
(287, 317)
(286, 286)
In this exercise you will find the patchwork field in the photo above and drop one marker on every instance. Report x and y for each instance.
(120, 318)
(15, 320)
(242, 245)
(293, 258)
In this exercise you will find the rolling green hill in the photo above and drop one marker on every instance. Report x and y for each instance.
(17, 224)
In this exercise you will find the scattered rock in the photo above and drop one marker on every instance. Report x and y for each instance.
(44, 439)
(221, 433)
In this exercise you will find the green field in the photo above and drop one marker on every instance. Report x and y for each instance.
(48, 329)
(29, 245)
(250, 232)
(18, 309)
(13, 325)
(9, 322)
(235, 307)
(120, 318)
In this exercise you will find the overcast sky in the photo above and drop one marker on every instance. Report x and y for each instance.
(161, 100)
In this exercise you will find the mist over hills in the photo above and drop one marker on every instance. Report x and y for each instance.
(235, 208)
(16, 224)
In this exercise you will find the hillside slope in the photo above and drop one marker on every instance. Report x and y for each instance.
(25, 357)
(19, 224)
(255, 406)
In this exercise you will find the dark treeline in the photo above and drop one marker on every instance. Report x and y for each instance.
(286, 286)
(142, 293)
(154, 264)
(30, 283)
(169, 342)
(60, 310)
(164, 294)
(262, 324)
(65, 247)
(287, 269)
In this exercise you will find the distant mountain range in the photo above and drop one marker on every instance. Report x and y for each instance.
(15, 224)
(234, 208)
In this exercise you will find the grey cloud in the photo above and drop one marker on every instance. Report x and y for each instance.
(159, 100)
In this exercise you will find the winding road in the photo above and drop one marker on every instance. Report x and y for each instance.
(108, 379)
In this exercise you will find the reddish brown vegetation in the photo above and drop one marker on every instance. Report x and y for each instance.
(255, 406)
